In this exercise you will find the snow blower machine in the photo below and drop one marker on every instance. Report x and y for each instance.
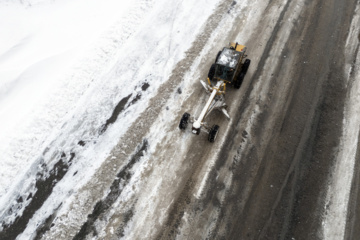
(229, 68)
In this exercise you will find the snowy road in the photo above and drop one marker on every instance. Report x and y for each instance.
(97, 154)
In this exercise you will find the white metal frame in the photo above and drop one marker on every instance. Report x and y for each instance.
(215, 101)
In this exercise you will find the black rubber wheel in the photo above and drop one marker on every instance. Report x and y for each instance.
(184, 121)
(239, 80)
(213, 133)
(217, 56)
(211, 72)
(245, 66)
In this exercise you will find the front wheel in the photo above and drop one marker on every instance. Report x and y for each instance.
(213, 133)
(184, 121)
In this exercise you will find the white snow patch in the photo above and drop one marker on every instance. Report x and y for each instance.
(40, 46)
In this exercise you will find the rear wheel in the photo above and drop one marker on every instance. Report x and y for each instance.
(213, 133)
(211, 72)
(184, 121)
(245, 66)
(239, 80)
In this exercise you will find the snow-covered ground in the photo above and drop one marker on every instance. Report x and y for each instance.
(58, 53)
(51, 54)
(65, 66)
(76, 75)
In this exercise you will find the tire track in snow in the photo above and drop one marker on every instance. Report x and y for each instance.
(286, 194)
(294, 116)
(212, 203)
(181, 214)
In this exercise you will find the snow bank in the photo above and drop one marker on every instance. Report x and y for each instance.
(42, 44)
